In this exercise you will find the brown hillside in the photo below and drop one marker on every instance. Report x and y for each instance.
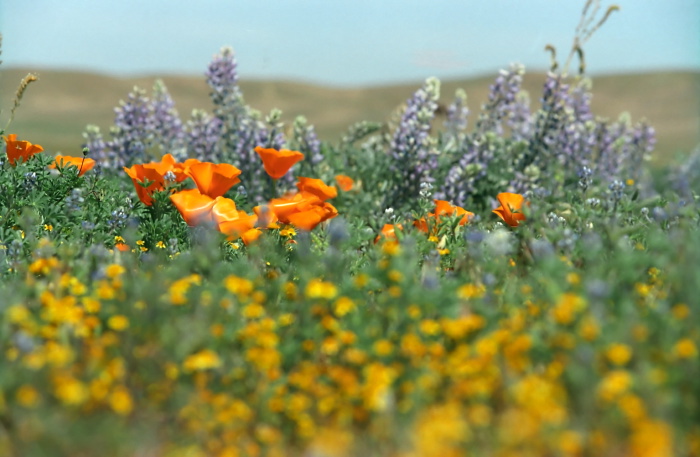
(56, 109)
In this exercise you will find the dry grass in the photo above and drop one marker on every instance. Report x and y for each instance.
(57, 108)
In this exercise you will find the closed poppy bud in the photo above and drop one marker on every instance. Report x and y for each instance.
(19, 150)
(510, 209)
(213, 180)
(317, 188)
(83, 164)
(194, 207)
(278, 162)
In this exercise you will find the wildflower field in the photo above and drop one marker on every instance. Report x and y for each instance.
(520, 285)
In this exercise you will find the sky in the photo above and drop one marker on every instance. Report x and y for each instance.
(342, 42)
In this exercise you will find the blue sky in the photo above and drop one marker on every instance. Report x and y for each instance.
(341, 42)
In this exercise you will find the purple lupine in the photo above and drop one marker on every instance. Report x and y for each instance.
(457, 117)
(306, 141)
(464, 178)
(503, 95)
(167, 126)
(413, 161)
(132, 131)
(222, 78)
(97, 148)
(202, 136)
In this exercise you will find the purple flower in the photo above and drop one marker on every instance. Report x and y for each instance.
(413, 159)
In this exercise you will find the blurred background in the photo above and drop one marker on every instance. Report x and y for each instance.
(340, 61)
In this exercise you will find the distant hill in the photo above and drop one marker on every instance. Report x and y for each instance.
(56, 109)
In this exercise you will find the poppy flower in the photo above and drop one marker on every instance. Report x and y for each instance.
(510, 209)
(442, 208)
(213, 180)
(229, 220)
(303, 210)
(194, 207)
(251, 235)
(445, 207)
(344, 182)
(317, 188)
(388, 232)
(19, 149)
(278, 162)
(314, 215)
(83, 164)
(154, 173)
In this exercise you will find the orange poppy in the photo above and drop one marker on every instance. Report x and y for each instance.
(154, 173)
(83, 164)
(266, 217)
(442, 207)
(194, 207)
(229, 220)
(212, 179)
(310, 218)
(317, 187)
(19, 149)
(510, 209)
(278, 162)
(251, 235)
(344, 182)
(445, 207)
(140, 175)
(123, 247)
(303, 210)
(388, 232)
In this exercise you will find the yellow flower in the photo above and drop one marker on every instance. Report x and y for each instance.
(70, 391)
(685, 349)
(429, 327)
(253, 311)
(614, 384)
(114, 270)
(118, 323)
(564, 312)
(27, 396)
(205, 359)
(680, 311)
(383, 348)
(618, 354)
(317, 288)
(120, 401)
(343, 306)
(239, 286)
(469, 291)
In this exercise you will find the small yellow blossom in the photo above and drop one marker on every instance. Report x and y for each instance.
(618, 354)
(685, 349)
(316, 288)
(28, 396)
(160, 245)
(205, 359)
(469, 291)
(383, 348)
(680, 311)
(118, 323)
(343, 306)
(120, 401)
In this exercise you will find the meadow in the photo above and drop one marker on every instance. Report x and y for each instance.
(510, 279)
